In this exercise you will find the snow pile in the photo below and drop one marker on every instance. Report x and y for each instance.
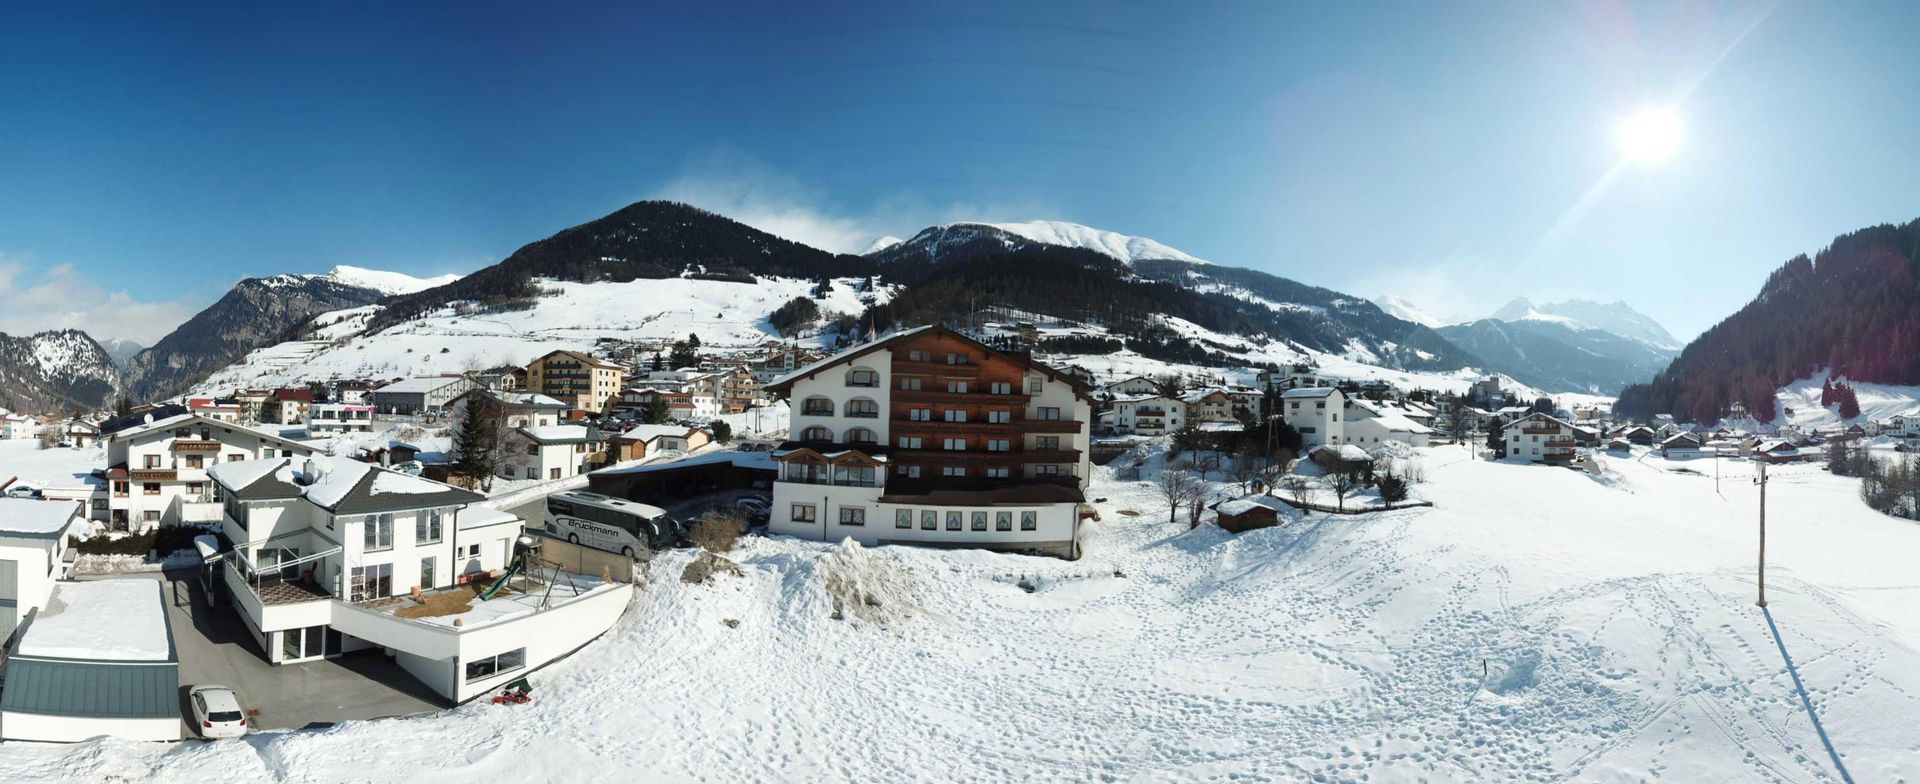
(865, 586)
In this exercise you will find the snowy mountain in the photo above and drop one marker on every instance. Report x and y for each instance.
(121, 349)
(935, 241)
(1404, 309)
(55, 372)
(385, 282)
(1553, 355)
(1616, 318)
(256, 312)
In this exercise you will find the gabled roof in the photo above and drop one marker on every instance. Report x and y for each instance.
(581, 355)
(419, 385)
(785, 383)
(340, 486)
(562, 434)
(186, 420)
(1308, 392)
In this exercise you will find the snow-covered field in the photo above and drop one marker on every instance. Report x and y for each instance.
(574, 316)
(1877, 403)
(23, 459)
(1537, 624)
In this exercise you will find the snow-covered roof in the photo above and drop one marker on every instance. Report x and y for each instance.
(339, 485)
(481, 516)
(1245, 504)
(759, 460)
(1308, 392)
(420, 385)
(651, 432)
(561, 434)
(36, 517)
(100, 620)
(844, 354)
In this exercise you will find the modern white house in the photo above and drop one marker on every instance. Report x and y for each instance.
(1368, 423)
(929, 437)
(334, 556)
(333, 418)
(34, 553)
(1317, 413)
(644, 440)
(98, 659)
(1146, 415)
(157, 470)
(551, 452)
(18, 426)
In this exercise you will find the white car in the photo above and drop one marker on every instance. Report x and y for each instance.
(410, 467)
(217, 712)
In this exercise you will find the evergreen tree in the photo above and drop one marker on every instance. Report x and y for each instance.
(1495, 440)
(722, 432)
(655, 412)
(659, 362)
(684, 354)
(476, 440)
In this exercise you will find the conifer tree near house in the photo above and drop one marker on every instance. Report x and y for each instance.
(476, 440)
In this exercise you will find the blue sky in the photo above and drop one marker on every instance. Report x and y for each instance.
(150, 157)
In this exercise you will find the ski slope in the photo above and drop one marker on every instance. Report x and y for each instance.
(1614, 620)
(1878, 402)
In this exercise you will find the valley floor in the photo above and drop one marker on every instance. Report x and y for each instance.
(1536, 624)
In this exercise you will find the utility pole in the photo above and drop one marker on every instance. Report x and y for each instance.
(1762, 481)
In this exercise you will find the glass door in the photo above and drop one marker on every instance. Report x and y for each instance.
(426, 573)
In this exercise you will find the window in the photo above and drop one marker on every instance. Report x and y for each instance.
(909, 443)
(957, 358)
(862, 377)
(1046, 470)
(427, 579)
(428, 527)
(377, 532)
(956, 386)
(1000, 388)
(533, 473)
(370, 582)
(999, 445)
(863, 408)
(150, 488)
(861, 435)
(803, 513)
(853, 476)
(120, 488)
(929, 520)
(950, 444)
(267, 452)
(953, 521)
(533, 450)
(954, 415)
(853, 515)
(816, 433)
(903, 518)
(919, 355)
(1320, 404)
(979, 521)
(953, 471)
(1002, 521)
(920, 414)
(473, 551)
(996, 472)
(910, 384)
(481, 669)
(817, 406)
(235, 458)
(999, 417)
(911, 472)
(1029, 521)
(151, 515)
(153, 461)
(1046, 442)
(1048, 413)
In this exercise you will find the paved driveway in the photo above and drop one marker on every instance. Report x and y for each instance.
(215, 647)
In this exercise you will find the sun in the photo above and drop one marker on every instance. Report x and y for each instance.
(1651, 136)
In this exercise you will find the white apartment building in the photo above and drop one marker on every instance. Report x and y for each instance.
(332, 418)
(1540, 438)
(328, 555)
(157, 471)
(929, 437)
(1147, 415)
(551, 452)
(1316, 412)
(1132, 387)
(18, 426)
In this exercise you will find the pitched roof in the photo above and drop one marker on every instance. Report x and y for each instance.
(1308, 392)
(337, 485)
(562, 434)
(419, 385)
(785, 383)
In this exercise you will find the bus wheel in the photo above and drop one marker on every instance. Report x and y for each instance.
(573, 538)
(626, 551)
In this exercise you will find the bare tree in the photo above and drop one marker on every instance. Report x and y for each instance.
(1248, 465)
(1346, 479)
(1301, 490)
(1460, 423)
(50, 436)
(1195, 508)
(1180, 487)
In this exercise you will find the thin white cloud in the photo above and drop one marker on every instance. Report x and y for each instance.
(739, 186)
(36, 298)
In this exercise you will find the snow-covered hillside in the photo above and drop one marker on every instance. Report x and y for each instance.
(1405, 310)
(1534, 625)
(570, 316)
(1617, 318)
(1877, 402)
(1124, 247)
(386, 282)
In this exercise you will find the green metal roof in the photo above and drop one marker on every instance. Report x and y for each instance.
(108, 691)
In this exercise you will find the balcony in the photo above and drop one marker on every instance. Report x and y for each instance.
(933, 368)
(153, 475)
(942, 427)
(196, 445)
(1052, 426)
(985, 457)
(1540, 431)
(943, 396)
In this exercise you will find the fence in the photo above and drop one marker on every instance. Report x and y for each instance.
(581, 559)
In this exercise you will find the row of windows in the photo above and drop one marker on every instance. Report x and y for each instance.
(929, 518)
(990, 472)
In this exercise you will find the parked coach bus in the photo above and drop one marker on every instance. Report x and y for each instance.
(603, 523)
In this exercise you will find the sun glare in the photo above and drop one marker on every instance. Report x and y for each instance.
(1651, 136)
